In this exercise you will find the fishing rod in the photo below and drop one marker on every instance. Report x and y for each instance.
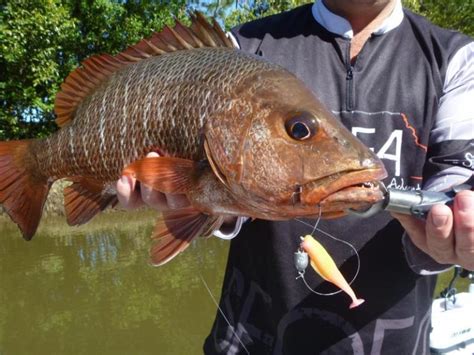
(413, 202)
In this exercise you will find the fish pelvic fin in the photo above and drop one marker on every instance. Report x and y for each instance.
(85, 198)
(95, 70)
(175, 230)
(23, 189)
(165, 174)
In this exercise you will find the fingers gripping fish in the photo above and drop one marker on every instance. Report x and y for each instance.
(238, 135)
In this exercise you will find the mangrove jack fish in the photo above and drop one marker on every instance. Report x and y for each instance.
(325, 266)
(238, 135)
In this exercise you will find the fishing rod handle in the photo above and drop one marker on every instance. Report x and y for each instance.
(419, 202)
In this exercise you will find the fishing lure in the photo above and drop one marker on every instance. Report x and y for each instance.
(324, 265)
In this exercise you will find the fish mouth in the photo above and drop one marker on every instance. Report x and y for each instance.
(345, 190)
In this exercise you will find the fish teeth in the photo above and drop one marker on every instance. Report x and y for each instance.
(368, 184)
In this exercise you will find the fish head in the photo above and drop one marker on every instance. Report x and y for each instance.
(289, 154)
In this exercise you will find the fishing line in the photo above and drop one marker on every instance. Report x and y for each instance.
(218, 307)
(301, 274)
(317, 221)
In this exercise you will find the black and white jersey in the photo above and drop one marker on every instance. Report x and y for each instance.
(408, 96)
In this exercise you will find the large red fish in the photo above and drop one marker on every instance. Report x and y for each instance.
(238, 135)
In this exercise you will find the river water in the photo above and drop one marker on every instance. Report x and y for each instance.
(91, 290)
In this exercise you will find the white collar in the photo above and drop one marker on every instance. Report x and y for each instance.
(339, 25)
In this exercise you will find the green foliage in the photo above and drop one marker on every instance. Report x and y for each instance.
(217, 8)
(33, 62)
(42, 41)
(251, 10)
(453, 14)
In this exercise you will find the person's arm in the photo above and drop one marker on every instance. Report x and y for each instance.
(447, 236)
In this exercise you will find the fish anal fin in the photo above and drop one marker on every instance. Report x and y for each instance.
(93, 71)
(85, 198)
(175, 230)
(23, 190)
(165, 174)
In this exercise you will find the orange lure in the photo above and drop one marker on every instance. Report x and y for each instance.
(325, 266)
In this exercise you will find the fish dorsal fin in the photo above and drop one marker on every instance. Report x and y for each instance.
(96, 69)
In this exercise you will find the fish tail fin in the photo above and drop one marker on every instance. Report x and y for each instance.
(23, 189)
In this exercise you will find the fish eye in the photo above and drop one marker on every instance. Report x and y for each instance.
(301, 126)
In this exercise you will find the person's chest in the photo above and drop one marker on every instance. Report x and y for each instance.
(387, 97)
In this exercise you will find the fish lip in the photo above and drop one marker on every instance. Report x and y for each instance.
(318, 191)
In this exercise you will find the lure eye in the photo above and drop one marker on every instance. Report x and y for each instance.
(302, 126)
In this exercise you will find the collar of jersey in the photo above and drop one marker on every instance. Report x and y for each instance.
(340, 26)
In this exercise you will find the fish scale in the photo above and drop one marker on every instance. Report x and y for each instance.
(223, 122)
(174, 79)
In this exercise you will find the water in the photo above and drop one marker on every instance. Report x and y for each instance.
(90, 290)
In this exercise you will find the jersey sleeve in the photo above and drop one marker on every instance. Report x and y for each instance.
(451, 148)
(451, 151)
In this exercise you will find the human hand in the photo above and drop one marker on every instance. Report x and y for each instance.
(447, 235)
(133, 195)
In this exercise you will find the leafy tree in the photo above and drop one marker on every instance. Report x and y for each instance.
(244, 11)
(42, 41)
(33, 61)
(453, 14)
(217, 8)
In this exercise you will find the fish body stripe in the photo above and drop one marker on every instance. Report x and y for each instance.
(71, 147)
(158, 103)
(123, 130)
(146, 112)
(86, 145)
(102, 119)
(112, 137)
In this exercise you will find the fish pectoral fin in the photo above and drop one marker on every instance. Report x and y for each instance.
(165, 174)
(175, 230)
(85, 198)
